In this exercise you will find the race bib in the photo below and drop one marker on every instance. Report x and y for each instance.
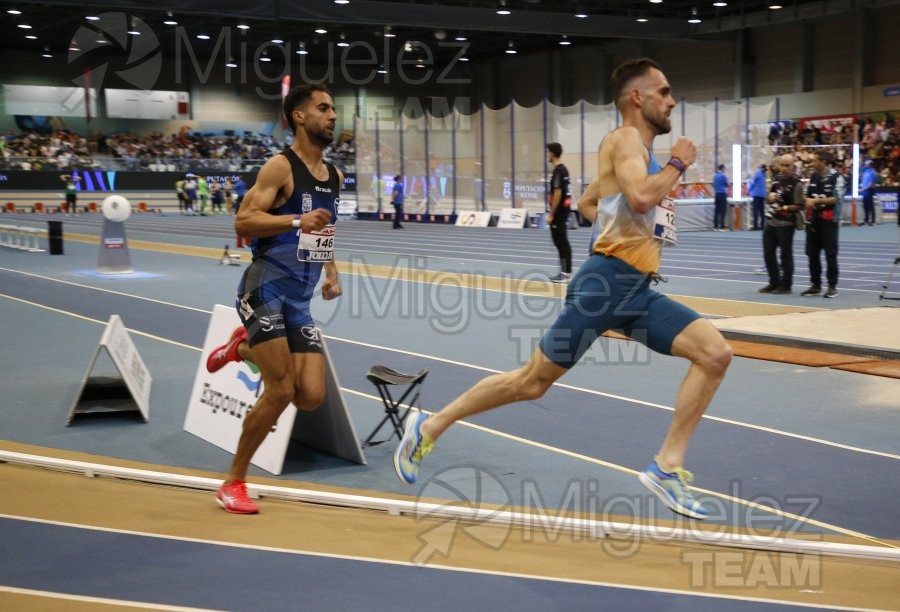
(316, 246)
(664, 222)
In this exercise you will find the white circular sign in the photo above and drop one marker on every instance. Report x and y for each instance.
(116, 208)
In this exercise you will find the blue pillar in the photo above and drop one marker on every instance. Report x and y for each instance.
(512, 150)
(453, 153)
(544, 112)
(716, 132)
(581, 112)
(427, 169)
(402, 173)
(377, 163)
(481, 119)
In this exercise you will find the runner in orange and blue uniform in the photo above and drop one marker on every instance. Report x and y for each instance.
(632, 220)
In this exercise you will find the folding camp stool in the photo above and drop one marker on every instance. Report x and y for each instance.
(383, 378)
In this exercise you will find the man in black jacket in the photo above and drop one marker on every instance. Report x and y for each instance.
(823, 209)
(785, 201)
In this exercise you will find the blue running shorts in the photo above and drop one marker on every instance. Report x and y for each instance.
(606, 294)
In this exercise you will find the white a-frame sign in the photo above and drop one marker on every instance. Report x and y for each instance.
(129, 392)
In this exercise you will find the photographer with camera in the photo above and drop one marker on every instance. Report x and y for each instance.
(785, 205)
(823, 209)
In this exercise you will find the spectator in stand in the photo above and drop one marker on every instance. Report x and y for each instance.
(867, 189)
(758, 190)
(720, 188)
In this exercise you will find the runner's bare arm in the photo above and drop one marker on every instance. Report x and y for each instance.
(254, 220)
(643, 191)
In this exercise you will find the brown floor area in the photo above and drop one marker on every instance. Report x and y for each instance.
(186, 513)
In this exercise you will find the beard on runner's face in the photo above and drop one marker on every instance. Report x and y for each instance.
(661, 124)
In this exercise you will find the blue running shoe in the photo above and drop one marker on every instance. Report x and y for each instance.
(414, 446)
(673, 490)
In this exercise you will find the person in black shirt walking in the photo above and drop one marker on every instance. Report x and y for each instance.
(558, 217)
(823, 209)
(785, 200)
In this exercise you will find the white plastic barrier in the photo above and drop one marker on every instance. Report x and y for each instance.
(21, 238)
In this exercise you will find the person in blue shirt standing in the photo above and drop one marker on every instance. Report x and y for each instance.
(720, 187)
(397, 201)
(867, 188)
(758, 191)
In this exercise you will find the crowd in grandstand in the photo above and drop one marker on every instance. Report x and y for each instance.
(195, 152)
(183, 152)
(879, 143)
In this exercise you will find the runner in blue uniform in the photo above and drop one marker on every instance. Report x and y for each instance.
(632, 219)
(290, 214)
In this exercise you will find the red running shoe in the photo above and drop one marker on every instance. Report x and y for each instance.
(233, 497)
(227, 352)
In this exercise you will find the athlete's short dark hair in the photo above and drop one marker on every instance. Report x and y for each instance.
(297, 97)
(555, 148)
(628, 70)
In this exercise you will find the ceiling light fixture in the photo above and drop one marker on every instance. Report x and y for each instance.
(720, 4)
(133, 30)
(565, 41)
(242, 26)
(510, 49)
(388, 33)
(656, 1)
(46, 52)
(92, 18)
(170, 21)
(775, 7)
(301, 49)
(503, 10)
(24, 26)
(265, 57)
(642, 20)
(321, 30)
(231, 63)
(694, 18)
(381, 70)
(461, 38)
(203, 36)
(343, 41)
(464, 59)
(342, 1)
(14, 12)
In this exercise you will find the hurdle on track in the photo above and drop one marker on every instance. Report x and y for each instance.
(21, 238)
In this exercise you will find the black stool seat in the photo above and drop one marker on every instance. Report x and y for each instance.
(385, 375)
(383, 378)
